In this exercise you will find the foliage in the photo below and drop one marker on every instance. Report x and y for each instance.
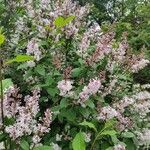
(75, 78)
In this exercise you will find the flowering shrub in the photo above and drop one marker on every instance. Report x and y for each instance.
(76, 84)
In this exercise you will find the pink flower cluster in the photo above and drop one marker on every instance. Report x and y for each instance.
(139, 64)
(92, 88)
(92, 34)
(26, 122)
(68, 8)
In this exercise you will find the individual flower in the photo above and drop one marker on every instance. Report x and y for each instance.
(119, 147)
(31, 64)
(56, 146)
(87, 137)
(145, 86)
(58, 137)
(36, 139)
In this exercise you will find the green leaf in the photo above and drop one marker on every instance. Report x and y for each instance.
(89, 124)
(2, 39)
(49, 80)
(22, 66)
(69, 19)
(109, 124)
(2, 137)
(20, 58)
(114, 139)
(52, 91)
(130, 145)
(128, 135)
(109, 132)
(43, 148)
(24, 145)
(148, 125)
(90, 104)
(40, 70)
(6, 84)
(78, 142)
(76, 72)
(9, 121)
(69, 114)
(64, 103)
(59, 22)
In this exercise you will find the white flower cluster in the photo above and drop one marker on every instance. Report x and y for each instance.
(122, 104)
(143, 108)
(144, 137)
(20, 27)
(33, 49)
(138, 103)
(139, 65)
(45, 4)
(42, 16)
(143, 95)
(104, 45)
(36, 139)
(142, 103)
(58, 137)
(145, 86)
(107, 113)
(64, 86)
(68, 8)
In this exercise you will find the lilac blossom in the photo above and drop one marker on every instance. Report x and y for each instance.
(138, 65)
(64, 86)
(91, 89)
(107, 113)
(33, 49)
(25, 115)
(92, 34)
